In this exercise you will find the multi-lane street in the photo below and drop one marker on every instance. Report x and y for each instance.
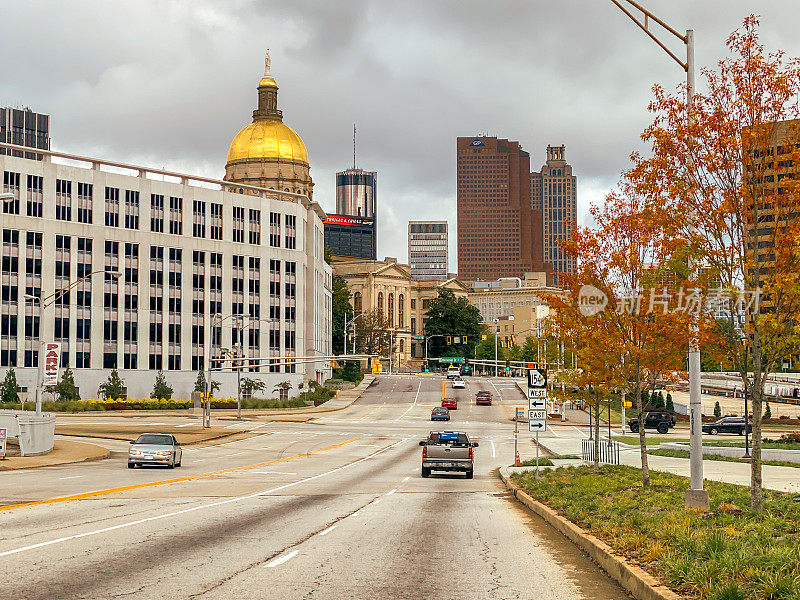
(333, 508)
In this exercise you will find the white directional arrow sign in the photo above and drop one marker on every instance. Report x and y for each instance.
(537, 398)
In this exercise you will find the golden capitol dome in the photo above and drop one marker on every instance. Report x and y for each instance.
(267, 152)
(267, 139)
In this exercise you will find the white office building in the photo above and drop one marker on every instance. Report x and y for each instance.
(427, 250)
(168, 263)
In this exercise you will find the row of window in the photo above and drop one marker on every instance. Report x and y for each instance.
(130, 215)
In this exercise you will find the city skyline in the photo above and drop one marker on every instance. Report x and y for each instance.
(360, 63)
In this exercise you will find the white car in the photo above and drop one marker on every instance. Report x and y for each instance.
(458, 383)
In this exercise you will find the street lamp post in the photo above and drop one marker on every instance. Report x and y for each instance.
(44, 303)
(696, 496)
(496, 329)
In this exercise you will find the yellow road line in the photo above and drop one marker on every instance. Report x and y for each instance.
(176, 480)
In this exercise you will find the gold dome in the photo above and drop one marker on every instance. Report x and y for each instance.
(267, 81)
(267, 139)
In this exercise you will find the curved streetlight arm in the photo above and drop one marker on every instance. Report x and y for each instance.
(643, 25)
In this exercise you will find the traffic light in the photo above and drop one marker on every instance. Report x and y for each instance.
(508, 365)
(464, 339)
(449, 339)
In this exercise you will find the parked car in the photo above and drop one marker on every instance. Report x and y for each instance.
(483, 397)
(440, 414)
(447, 451)
(660, 421)
(458, 383)
(727, 425)
(450, 403)
(155, 449)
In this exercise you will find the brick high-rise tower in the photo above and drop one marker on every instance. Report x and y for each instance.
(499, 232)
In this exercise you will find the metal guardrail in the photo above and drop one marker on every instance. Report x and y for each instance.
(608, 451)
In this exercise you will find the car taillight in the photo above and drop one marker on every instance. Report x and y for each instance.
(424, 452)
(470, 453)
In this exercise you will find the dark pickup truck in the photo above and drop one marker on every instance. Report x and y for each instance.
(660, 421)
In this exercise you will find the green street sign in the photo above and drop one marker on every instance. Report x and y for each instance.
(451, 359)
(419, 337)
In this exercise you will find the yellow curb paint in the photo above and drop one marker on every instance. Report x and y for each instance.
(176, 480)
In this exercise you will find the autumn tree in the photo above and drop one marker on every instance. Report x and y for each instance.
(635, 331)
(725, 179)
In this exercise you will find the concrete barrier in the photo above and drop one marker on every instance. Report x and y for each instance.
(34, 432)
(766, 453)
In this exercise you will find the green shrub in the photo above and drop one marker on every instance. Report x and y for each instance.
(352, 372)
(717, 409)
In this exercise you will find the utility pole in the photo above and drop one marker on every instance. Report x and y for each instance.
(496, 329)
(696, 496)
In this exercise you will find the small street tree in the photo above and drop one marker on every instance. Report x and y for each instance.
(282, 389)
(372, 334)
(9, 388)
(161, 390)
(65, 389)
(248, 386)
(113, 387)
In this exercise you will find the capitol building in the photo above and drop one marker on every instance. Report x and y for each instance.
(144, 269)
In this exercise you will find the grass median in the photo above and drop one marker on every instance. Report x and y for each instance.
(728, 553)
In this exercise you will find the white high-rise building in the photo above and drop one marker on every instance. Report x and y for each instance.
(160, 268)
(427, 250)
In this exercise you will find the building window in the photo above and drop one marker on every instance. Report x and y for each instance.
(175, 215)
(63, 200)
(11, 185)
(112, 207)
(35, 195)
(401, 307)
(357, 306)
(216, 221)
(275, 230)
(255, 227)
(238, 224)
(291, 232)
(157, 213)
(380, 303)
(85, 191)
(131, 209)
(198, 219)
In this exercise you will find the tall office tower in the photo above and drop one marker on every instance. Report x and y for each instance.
(499, 232)
(352, 232)
(356, 193)
(554, 192)
(23, 127)
(427, 249)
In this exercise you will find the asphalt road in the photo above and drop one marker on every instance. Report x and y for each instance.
(334, 508)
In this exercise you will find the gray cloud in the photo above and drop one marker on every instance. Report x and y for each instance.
(170, 83)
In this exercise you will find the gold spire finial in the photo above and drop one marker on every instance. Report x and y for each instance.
(267, 64)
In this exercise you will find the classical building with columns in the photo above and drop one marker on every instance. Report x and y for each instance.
(386, 286)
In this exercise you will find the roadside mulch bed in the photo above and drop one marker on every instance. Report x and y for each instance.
(729, 553)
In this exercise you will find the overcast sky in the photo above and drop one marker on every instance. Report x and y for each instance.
(169, 83)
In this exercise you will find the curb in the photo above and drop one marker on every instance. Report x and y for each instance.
(60, 464)
(638, 582)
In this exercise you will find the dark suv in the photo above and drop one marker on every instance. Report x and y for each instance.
(660, 421)
(727, 425)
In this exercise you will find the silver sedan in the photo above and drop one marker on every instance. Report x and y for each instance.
(155, 449)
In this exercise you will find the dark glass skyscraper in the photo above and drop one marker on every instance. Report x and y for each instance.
(351, 232)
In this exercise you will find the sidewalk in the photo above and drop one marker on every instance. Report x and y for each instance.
(64, 452)
(782, 479)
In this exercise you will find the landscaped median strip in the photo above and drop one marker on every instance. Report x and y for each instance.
(137, 486)
(635, 580)
(727, 553)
